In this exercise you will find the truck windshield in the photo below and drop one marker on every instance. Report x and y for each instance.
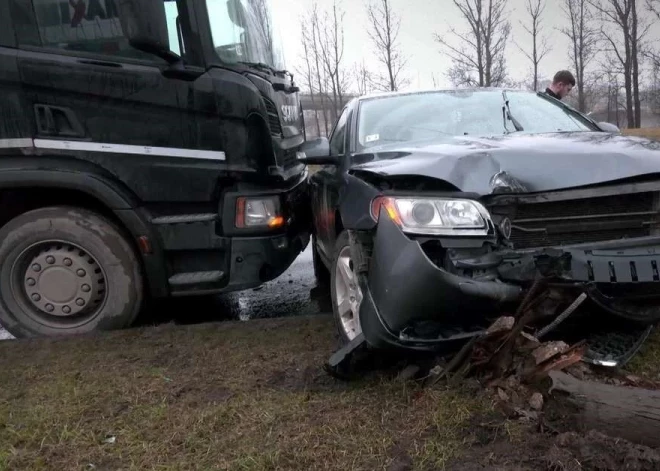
(244, 31)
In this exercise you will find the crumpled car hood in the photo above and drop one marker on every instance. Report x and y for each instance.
(542, 162)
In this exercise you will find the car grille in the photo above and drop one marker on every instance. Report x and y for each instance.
(273, 118)
(584, 220)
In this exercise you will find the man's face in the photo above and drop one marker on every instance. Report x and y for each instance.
(564, 89)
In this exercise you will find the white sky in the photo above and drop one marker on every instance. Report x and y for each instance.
(420, 19)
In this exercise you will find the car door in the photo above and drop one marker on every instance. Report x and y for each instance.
(325, 187)
(82, 81)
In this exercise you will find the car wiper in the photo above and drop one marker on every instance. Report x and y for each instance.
(506, 114)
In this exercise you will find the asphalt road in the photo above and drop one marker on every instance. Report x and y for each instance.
(292, 294)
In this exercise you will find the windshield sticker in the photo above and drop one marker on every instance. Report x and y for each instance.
(372, 138)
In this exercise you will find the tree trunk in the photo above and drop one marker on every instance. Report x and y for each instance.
(630, 112)
(635, 66)
(622, 412)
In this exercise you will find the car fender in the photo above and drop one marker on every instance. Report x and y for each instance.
(355, 197)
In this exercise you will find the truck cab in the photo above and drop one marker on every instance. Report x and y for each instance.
(149, 148)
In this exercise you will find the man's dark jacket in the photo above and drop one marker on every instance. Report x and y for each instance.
(552, 94)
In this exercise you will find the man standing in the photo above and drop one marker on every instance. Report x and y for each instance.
(562, 84)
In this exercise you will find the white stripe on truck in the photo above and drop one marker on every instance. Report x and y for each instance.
(54, 144)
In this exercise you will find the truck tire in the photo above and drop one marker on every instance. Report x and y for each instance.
(64, 271)
(345, 291)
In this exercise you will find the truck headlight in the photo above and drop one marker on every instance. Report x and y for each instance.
(259, 212)
(438, 216)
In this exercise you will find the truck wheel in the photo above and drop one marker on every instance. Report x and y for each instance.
(320, 271)
(345, 291)
(66, 271)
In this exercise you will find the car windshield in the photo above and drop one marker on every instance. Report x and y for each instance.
(244, 31)
(443, 115)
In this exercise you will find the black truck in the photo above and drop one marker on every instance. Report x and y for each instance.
(148, 149)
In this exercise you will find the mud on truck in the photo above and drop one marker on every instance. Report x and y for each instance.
(149, 149)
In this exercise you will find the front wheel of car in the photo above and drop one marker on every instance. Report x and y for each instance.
(345, 291)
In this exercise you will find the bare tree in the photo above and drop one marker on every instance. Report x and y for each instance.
(620, 18)
(384, 33)
(540, 47)
(362, 77)
(583, 34)
(308, 69)
(479, 56)
(330, 33)
(652, 53)
(314, 72)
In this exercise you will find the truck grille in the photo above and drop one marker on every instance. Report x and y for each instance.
(273, 118)
(584, 220)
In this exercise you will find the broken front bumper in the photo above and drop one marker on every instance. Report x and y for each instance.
(404, 287)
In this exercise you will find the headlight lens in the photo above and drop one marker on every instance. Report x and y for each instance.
(434, 215)
(258, 212)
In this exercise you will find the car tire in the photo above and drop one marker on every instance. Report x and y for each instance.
(321, 272)
(342, 293)
(65, 271)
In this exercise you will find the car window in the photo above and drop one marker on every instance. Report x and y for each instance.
(82, 26)
(338, 138)
(444, 115)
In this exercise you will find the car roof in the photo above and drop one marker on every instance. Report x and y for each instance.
(371, 96)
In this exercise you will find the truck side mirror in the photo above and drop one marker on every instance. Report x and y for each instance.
(609, 127)
(317, 152)
(144, 24)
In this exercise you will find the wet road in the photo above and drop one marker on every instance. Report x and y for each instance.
(292, 294)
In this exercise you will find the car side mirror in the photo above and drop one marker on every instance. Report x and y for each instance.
(609, 127)
(144, 24)
(317, 152)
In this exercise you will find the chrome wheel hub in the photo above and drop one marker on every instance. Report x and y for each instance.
(63, 280)
(348, 294)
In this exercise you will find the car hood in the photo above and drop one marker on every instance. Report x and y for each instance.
(530, 163)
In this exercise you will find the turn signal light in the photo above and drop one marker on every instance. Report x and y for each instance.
(383, 202)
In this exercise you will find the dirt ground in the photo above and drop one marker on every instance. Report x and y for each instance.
(254, 396)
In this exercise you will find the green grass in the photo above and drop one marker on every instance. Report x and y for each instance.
(249, 396)
(647, 362)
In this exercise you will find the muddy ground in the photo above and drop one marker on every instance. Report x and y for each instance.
(254, 396)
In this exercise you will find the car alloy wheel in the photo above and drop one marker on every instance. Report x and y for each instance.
(347, 294)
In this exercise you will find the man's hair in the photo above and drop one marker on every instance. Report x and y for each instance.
(564, 76)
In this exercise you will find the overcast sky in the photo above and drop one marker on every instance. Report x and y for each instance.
(420, 20)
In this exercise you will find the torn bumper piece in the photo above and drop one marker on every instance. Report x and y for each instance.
(404, 287)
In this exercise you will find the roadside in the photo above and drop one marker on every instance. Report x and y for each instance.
(218, 396)
(254, 396)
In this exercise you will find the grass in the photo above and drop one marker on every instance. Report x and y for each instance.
(647, 362)
(231, 396)
(651, 133)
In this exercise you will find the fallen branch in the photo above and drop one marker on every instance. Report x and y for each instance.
(624, 412)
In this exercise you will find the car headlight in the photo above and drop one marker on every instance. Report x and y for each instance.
(441, 216)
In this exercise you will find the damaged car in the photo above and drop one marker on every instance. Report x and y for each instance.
(434, 212)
